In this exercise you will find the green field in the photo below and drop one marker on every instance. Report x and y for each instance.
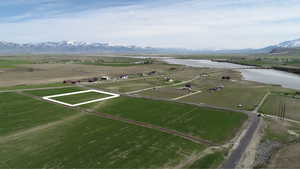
(82, 97)
(86, 141)
(214, 125)
(18, 113)
(209, 161)
(50, 92)
(272, 106)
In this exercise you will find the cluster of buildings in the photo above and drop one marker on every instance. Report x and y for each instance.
(104, 78)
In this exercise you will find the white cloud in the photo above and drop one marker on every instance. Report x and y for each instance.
(193, 24)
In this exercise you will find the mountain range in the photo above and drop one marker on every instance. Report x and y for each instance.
(73, 47)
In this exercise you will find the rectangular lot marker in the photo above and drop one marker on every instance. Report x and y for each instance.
(51, 98)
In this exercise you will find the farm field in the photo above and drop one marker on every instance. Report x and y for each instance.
(18, 113)
(214, 125)
(272, 105)
(49, 92)
(44, 73)
(9, 63)
(82, 97)
(209, 161)
(65, 138)
(232, 95)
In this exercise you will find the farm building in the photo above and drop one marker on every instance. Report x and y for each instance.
(105, 78)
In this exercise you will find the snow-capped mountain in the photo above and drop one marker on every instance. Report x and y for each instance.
(80, 48)
(74, 47)
(290, 44)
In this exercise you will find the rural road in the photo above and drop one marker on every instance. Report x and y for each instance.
(237, 154)
(158, 87)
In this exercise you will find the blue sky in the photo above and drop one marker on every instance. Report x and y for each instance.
(196, 24)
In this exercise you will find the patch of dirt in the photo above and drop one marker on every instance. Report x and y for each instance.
(279, 147)
(287, 157)
(264, 152)
(189, 160)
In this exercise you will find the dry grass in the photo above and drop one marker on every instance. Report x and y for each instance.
(51, 73)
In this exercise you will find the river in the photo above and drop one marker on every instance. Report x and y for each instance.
(267, 76)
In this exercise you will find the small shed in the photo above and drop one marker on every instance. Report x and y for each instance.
(124, 77)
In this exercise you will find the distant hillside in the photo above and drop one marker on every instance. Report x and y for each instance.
(285, 51)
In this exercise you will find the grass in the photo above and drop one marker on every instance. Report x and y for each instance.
(18, 113)
(12, 63)
(231, 96)
(209, 161)
(49, 92)
(117, 61)
(274, 101)
(166, 92)
(93, 142)
(20, 87)
(214, 125)
(132, 85)
(82, 97)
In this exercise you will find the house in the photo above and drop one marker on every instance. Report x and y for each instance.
(104, 78)
(124, 77)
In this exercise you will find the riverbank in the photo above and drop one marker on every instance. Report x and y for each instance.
(289, 69)
(264, 75)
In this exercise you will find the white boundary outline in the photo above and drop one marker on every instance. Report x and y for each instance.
(49, 98)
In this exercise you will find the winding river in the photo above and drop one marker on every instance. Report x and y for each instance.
(267, 76)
